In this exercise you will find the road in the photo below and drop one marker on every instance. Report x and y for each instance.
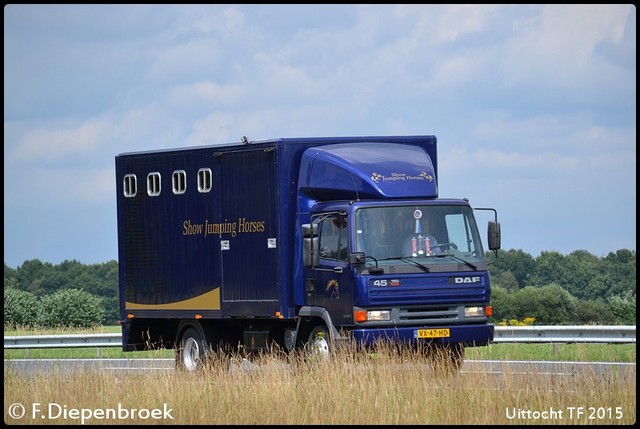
(27, 367)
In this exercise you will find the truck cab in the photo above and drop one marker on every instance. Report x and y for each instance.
(386, 259)
(401, 271)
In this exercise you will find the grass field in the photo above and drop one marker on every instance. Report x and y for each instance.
(351, 388)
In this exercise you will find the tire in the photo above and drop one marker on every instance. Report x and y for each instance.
(191, 353)
(318, 347)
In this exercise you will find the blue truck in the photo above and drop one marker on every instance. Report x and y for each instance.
(301, 244)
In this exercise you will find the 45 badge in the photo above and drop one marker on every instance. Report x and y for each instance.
(386, 282)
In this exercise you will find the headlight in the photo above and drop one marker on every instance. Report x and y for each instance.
(362, 316)
(474, 312)
(379, 315)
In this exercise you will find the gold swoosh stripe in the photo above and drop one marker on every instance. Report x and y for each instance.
(207, 301)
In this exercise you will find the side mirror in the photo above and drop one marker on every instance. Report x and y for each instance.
(493, 235)
(310, 230)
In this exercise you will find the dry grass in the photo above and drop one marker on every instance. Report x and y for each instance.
(351, 388)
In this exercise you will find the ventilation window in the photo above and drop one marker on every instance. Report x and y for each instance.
(130, 186)
(153, 184)
(204, 180)
(179, 182)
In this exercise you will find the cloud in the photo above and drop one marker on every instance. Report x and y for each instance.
(559, 46)
(207, 94)
(42, 146)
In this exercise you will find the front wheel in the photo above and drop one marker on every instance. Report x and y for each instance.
(318, 346)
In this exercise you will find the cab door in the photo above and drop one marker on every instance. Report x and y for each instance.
(333, 288)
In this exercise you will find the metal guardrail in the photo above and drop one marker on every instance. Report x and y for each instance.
(565, 334)
(62, 341)
(503, 334)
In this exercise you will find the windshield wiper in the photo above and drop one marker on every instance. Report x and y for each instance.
(407, 259)
(467, 263)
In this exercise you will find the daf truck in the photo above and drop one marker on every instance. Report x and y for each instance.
(298, 243)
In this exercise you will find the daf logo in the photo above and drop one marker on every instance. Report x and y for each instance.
(465, 280)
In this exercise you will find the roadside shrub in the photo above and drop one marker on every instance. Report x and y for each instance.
(527, 321)
(624, 309)
(71, 308)
(550, 305)
(21, 308)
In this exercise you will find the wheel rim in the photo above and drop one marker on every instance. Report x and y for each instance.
(320, 346)
(190, 354)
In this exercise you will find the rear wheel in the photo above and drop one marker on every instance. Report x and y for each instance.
(191, 352)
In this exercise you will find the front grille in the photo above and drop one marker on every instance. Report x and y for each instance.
(427, 315)
(413, 315)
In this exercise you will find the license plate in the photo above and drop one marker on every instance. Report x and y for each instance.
(433, 333)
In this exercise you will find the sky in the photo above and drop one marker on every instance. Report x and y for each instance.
(534, 106)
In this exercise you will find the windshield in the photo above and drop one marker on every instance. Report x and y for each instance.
(428, 234)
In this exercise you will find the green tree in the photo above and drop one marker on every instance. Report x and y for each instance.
(549, 305)
(10, 279)
(579, 275)
(108, 288)
(97, 279)
(593, 312)
(619, 269)
(520, 264)
(623, 309)
(44, 279)
(21, 308)
(503, 305)
(71, 308)
(34, 276)
(547, 269)
(507, 280)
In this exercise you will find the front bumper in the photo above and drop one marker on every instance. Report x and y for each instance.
(468, 335)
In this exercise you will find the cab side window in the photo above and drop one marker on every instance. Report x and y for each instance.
(334, 238)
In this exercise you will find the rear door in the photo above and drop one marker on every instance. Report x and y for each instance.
(248, 233)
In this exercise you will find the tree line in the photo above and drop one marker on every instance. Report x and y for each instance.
(551, 289)
(557, 289)
(70, 294)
